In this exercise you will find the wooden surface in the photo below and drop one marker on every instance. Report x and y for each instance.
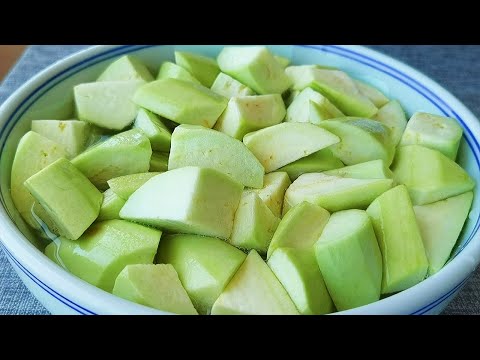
(8, 56)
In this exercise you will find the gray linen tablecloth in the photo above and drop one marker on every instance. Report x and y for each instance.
(455, 67)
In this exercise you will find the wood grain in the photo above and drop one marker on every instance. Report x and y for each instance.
(8, 56)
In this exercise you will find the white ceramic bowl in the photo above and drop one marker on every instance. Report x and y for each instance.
(49, 95)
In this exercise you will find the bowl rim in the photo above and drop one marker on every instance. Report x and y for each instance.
(73, 292)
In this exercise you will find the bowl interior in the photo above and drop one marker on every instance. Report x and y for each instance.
(53, 99)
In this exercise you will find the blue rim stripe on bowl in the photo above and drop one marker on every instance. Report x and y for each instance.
(397, 72)
(61, 76)
(441, 299)
(347, 53)
(79, 309)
